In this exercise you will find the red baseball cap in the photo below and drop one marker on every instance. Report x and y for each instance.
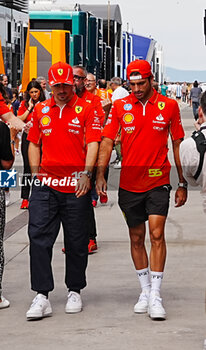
(60, 73)
(141, 66)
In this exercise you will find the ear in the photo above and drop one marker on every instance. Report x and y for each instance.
(200, 113)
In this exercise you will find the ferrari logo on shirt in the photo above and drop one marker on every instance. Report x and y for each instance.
(128, 118)
(78, 109)
(161, 105)
(46, 120)
(60, 71)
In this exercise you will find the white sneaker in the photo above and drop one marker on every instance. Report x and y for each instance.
(143, 302)
(74, 303)
(118, 165)
(7, 198)
(39, 308)
(156, 309)
(4, 303)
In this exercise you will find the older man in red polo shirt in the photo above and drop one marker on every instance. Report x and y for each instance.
(146, 118)
(68, 132)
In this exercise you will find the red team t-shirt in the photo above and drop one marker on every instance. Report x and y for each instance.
(22, 109)
(3, 107)
(144, 139)
(96, 103)
(64, 133)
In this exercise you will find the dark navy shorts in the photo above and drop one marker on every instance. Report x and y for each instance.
(137, 206)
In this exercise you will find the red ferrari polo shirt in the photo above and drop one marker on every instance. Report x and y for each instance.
(63, 133)
(3, 107)
(96, 103)
(22, 109)
(144, 139)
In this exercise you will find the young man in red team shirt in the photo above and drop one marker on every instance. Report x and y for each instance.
(67, 133)
(146, 118)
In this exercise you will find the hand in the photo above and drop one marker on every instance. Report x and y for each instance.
(197, 125)
(13, 132)
(83, 186)
(180, 196)
(117, 140)
(27, 127)
(30, 104)
(101, 186)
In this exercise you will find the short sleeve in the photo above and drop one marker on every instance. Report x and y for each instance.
(112, 125)
(3, 107)
(176, 129)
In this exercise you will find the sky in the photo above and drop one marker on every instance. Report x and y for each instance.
(176, 25)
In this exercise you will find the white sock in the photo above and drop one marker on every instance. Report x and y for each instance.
(144, 279)
(156, 281)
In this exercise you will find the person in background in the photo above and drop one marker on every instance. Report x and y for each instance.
(90, 86)
(42, 82)
(90, 83)
(6, 161)
(190, 157)
(195, 94)
(118, 90)
(80, 83)
(184, 92)
(5, 82)
(102, 91)
(164, 89)
(178, 92)
(15, 106)
(33, 95)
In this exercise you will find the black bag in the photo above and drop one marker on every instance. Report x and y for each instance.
(200, 140)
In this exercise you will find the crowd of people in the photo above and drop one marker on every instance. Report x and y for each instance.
(68, 136)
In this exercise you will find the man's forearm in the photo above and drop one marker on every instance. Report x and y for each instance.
(176, 146)
(104, 155)
(14, 121)
(91, 157)
(34, 158)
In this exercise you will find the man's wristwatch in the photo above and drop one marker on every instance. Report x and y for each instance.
(183, 184)
(12, 142)
(87, 173)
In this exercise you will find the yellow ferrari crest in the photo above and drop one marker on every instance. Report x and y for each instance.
(161, 105)
(78, 109)
(60, 71)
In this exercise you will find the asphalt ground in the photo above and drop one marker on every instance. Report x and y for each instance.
(107, 321)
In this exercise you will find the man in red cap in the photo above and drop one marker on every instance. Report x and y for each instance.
(146, 118)
(67, 132)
